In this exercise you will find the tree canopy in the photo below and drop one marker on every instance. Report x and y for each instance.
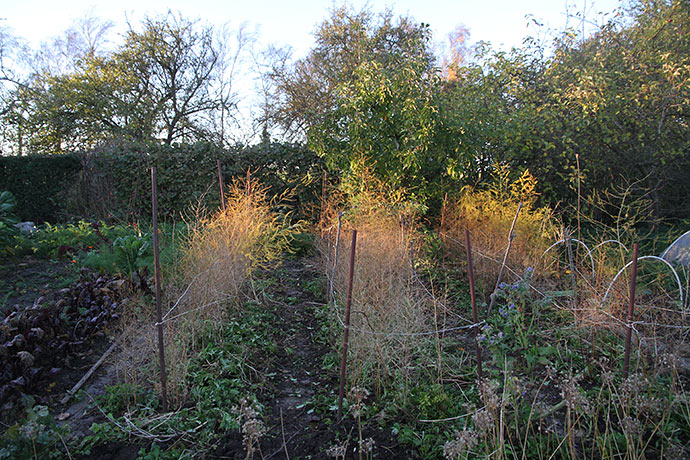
(619, 99)
(616, 100)
(163, 83)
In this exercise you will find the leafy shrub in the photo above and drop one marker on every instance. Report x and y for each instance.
(117, 180)
(8, 232)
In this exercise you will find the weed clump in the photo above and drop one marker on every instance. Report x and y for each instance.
(388, 307)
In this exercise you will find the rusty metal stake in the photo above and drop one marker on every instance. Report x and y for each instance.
(443, 213)
(249, 182)
(220, 184)
(331, 287)
(443, 228)
(470, 274)
(157, 271)
(346, 334)
(322, 217)
(631, 307)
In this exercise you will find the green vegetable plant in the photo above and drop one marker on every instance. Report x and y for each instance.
(510, 331)
(130, 248)
(38, 436)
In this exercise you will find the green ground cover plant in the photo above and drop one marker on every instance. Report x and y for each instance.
(36, 436)
(221, 397)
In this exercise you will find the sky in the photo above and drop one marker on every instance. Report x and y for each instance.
(291, 22)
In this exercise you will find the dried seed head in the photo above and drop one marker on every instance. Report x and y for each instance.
(487, 389)
(631, 426)
(634, 385)
(337, 451)
(358, 394)
(550, 372)
(666, 363)
(253, 428)
(483, 421)
(607, 377)
(463, 441)
(367, 445)
(571, 393)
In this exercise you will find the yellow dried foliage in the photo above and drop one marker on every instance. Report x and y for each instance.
(488, 215)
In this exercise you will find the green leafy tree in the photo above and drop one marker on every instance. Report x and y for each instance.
(28, 76)
(619, 100)
(385, 117)
(13, 52)
(367, 94)
(166, 82)
(308, 88)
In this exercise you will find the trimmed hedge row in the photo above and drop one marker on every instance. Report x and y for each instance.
(114, 182)
(41, 185)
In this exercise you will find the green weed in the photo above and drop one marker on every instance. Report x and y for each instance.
(37, 436)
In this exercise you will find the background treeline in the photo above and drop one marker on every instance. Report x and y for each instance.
(596, 118)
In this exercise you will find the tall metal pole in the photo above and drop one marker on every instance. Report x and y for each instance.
(475, 317)
(220, 184)
(346, 334)
(157, 271)
(631, 307)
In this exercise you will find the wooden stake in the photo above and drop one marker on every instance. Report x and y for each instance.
(90, 372)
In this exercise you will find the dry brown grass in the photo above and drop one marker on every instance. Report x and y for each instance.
(580, 287)
(387, 303)
(218, 255)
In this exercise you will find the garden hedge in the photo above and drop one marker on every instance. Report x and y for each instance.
(42, 185)
(113, 182)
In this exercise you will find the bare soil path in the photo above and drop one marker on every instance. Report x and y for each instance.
(294, 429)
(297, 428)
(298, 393)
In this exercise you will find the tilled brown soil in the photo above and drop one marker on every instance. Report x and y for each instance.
(24, 280)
